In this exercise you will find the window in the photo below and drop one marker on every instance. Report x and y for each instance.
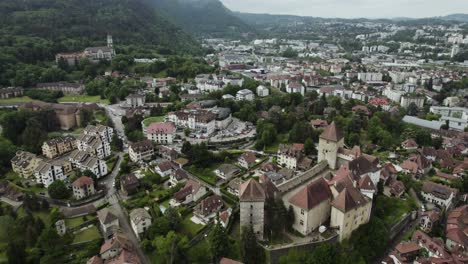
(302, 211)
(251, 206)
(301, 222)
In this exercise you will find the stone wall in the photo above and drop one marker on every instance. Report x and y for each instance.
(276, 254)
(304, 177)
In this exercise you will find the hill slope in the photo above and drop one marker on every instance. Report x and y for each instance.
(202, 17)
(88, 21)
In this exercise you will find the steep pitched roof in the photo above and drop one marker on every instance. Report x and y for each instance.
(349, 199)
(106, 216)
(365, 183)
(332, 133)
(312, 195)
(82, 181)
(251, 190)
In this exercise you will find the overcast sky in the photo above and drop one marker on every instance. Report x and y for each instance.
(351, 8)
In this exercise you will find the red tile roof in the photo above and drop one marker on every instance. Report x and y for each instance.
(312, 195)
(332, 133)
(83, 181)
(251, 190)
(160, 128)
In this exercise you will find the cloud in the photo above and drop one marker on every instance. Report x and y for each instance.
(351, 8)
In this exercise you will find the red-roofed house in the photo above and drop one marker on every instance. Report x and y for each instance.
(83, 187)
(160, 132)
(247, 160)
(409, 144)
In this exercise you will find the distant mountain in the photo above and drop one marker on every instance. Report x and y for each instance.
(202, 17)
(455, 17)
(86, 22)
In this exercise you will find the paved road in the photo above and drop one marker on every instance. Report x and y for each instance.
(125, 226)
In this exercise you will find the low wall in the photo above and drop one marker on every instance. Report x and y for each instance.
(276, 254)
(400, 226)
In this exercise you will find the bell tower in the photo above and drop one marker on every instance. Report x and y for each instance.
(110, 43)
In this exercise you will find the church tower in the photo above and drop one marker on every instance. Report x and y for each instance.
(110, 43)
(331, 140)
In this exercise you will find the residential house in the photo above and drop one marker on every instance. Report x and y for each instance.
(160, 132)
(417, 165)
(108, 220)
(114, 246)
(11, 92)
(262, 91)
(165, 168)
(135, 100)
(245, 95)
(178, 176)
(394, 188)
(199, 121)
(191, 192)
(94, 145)
(405, 252)
(227, 171)
(24, 163)
(49, 171)
(104, 132)
(289, 156)
(84, 161)
(457, 224)
(224, 217)
(208, 207)
(129, 184)
(428, 220)
(409, 144)
(55, 147)
(439, 194)
(65, 87)
(234, 186)
(83, 187)
(311, 206)
(435, 248)
(167, 153)
(141, 151)
(247, 160)
(140, 221)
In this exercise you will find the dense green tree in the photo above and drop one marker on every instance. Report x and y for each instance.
(251, 252)
(219, 242)
(173, 216)
(58, 190)
(171, 248)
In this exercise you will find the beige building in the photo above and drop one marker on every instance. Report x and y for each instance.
(311, 206)
(140, 220)
(350, 209)
(252, 202)
(141, 151)
(330, 142)
(24, 163)
(83, 187)
(57, 146)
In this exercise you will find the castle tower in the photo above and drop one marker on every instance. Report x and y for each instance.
(331, 140)
(110, 42)
(252, 206)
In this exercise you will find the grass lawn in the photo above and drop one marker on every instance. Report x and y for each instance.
(87, 235)
(188, 227)
(83, 98)
(23, 99)
(72, 222)
(153, 119)
(43, 215)
(394, 208)
(205, 174)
